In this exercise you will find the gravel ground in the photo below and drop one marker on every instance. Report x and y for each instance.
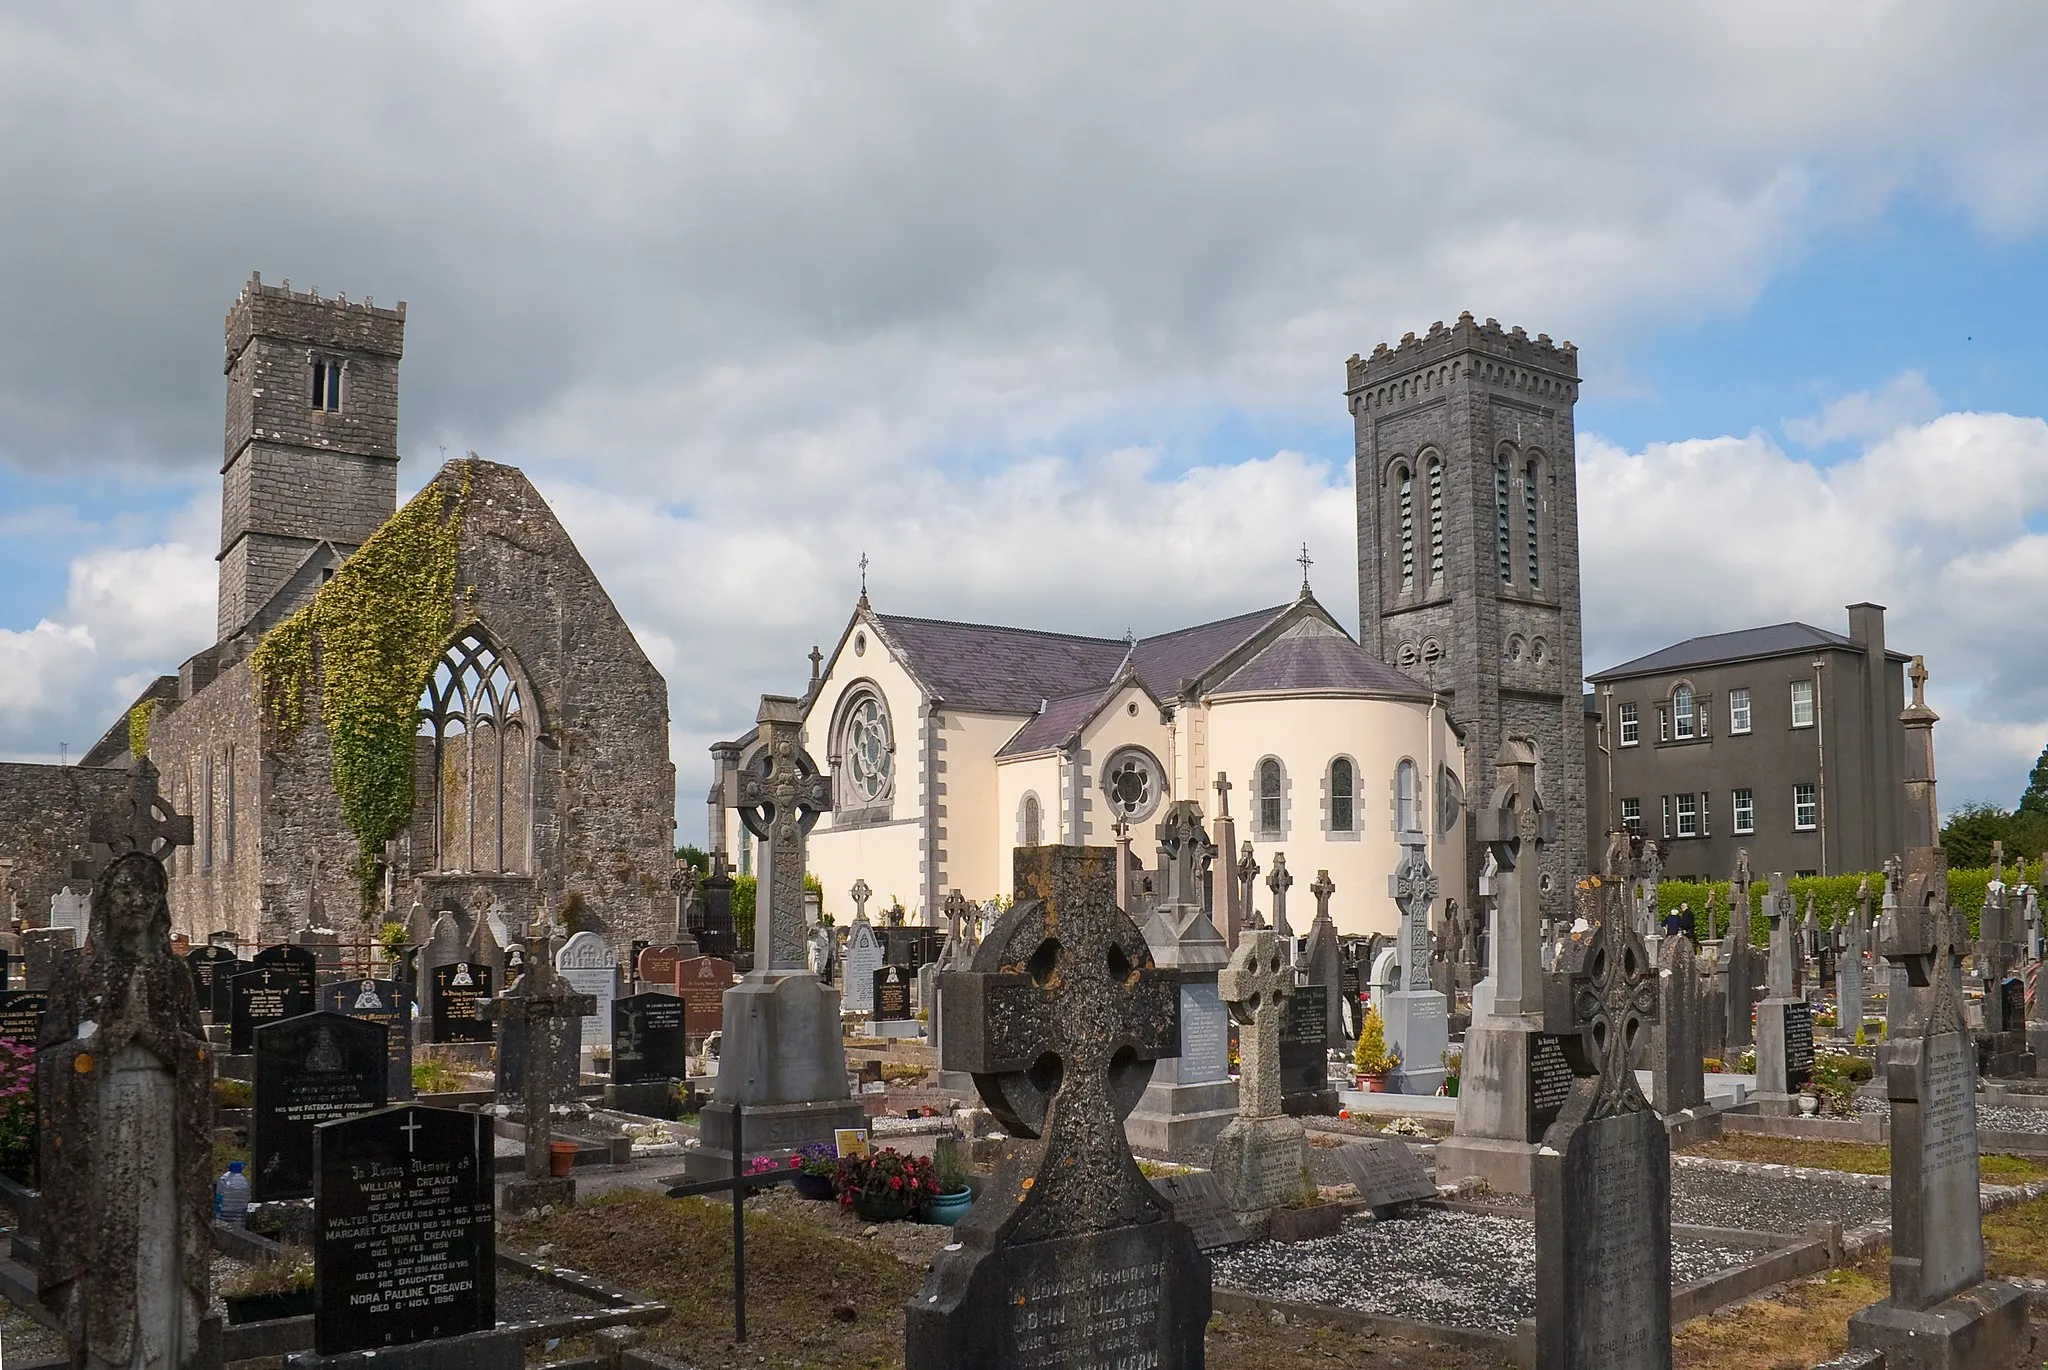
(1757, 1201)
(23, 1339)
(1456, 1268)
(1997, 1117)
(522, 1299)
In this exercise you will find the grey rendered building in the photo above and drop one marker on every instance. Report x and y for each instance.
(1784, 740)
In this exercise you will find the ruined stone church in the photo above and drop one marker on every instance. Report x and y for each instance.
(435, 705)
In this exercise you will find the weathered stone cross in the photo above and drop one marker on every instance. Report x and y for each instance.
(861, 894)
(1280, 881)
(145, 822)
(1060, 1021)
(1222, 788)
(1779, 907)
(781, 797)
(544, 1002)
(1413, 886)
(1614, 993)
(1256, 985)
(1248, 884)
(1184, 851)
(1322, 889)
(1516, 827)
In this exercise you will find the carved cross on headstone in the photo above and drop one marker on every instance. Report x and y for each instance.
(1122, 829)
(1280, 881)
(1256, 985)
(1650, 877)
(1614, 993)
(957, 911)
(1780, 907)
(1516, 827)
(1184, 852)
(1222, 788)
(1322, 889)
(1060, 1021)
(861, 894)
(144, 821)
(1918, 674)
(545, 1004)
(1740, 907)
(1248, 884)
(1413, 886)
(781, 796)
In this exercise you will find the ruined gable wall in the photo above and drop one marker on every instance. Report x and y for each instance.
(45, 819)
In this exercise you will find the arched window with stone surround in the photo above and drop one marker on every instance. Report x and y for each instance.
(1030, 822)
(1435, 481)
(1272, 812)
(1500, 519)
(1343, 795)
(863, 757)
(475, 727)
(1407, 806)
(1682, 712)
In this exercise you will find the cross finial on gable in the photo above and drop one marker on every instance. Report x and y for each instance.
(863, 580)
(1304, 561)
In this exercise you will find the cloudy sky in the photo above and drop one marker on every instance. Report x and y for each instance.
(1045, 310)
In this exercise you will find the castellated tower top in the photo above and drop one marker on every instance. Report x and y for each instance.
(1509, 351)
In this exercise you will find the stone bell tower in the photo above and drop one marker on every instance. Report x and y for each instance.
(311, 454)
(1468, 556)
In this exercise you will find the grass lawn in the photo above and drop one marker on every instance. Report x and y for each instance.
(1857, 1158)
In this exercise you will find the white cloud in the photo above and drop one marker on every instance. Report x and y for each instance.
(1933, 521)
(1906, 399)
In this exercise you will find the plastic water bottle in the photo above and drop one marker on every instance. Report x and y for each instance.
(231, 1197)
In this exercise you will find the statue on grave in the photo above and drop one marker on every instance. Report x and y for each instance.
(125, 1091)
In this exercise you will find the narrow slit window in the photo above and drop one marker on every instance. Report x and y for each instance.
(1340, 795)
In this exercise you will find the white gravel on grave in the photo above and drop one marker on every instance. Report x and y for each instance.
(1443, 1266)
(1992, 1117)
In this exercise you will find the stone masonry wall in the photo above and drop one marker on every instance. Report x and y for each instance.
(216, 883)
(46, 816)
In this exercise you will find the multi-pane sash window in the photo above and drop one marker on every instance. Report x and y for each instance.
(1667, 815)
(1632, 814)
(1682, 711)
(1688, 815)
(1802, 704)
(1745, 811)
(1738, 710)
(1805, 807)
(1631, 726)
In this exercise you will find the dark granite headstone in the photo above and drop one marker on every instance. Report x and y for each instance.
(21, 1020)
(1798, 1044)
(405, 1245)
(1386, 1172)
(310, 1070)
(1074, 1259)
(515, 964)
(1200, 1205)
(221, 1003)
(2012, 995)
(715, 933)
(892, 994)
(285, 954)
(266, 994)
(460, 990)
(701, 983)
(1305, 1054)
(386, 1002)
(207, 964)
(648, 1038)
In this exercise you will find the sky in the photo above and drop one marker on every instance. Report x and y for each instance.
(1045, 309)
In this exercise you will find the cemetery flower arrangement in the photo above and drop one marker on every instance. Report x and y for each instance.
(819, 1159)
(886, 1176)
(18, 1111)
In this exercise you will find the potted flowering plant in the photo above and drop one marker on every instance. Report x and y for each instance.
(816, 1167)
(953, 1197)
(885, 1184)
(1370, 1058)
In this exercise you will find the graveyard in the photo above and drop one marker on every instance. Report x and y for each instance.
(386, 990)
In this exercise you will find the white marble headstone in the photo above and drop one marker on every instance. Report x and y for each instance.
(863, 959)
(68, 910)
(586, 961)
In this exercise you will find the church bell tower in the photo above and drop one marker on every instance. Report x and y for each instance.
(1468, 556)
(311, 454)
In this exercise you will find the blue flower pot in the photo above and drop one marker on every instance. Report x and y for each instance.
(948, 1209)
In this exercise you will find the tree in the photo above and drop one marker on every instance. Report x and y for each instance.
(1972, 829)
(2035, 800)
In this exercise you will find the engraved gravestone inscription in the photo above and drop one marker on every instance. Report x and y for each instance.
(405, 1245)
(310, 1070)
(266, 994)
(460, 991)
(386, 1002)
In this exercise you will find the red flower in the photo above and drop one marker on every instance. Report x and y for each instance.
(846, 1199)
(795, 1161)
(895, 1182)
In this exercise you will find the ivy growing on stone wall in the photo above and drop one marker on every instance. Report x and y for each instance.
(371, 637)
(138, 727)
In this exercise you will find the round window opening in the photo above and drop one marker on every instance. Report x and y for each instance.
(1132, 708)
(860, 644)
(1132, 784)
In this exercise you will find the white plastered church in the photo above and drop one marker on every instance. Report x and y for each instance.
(952, 744)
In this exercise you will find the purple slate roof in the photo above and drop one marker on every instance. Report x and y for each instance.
(1745, 644)
(1056, 724)
(1010, 670)
(1313, 656)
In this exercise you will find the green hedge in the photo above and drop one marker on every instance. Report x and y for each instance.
(1834, 897)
